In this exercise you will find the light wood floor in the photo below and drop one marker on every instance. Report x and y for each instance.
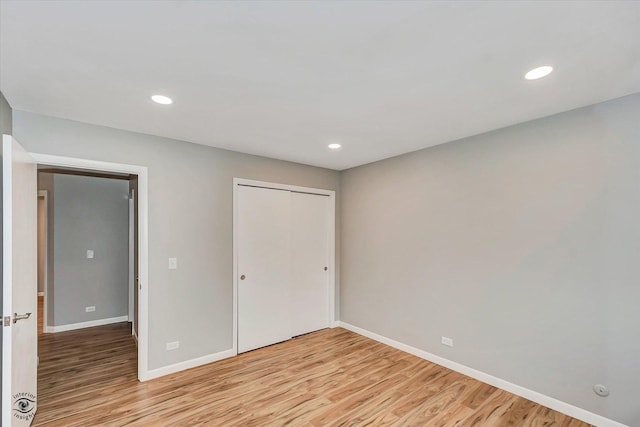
(330, 377)
(40, 315)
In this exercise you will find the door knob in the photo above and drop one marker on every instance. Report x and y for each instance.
(242, 277)
(17, 316)
(325, 269)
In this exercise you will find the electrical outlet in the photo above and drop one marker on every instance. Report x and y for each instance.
(173, 345)
(90, 254)
(447, 341)
(90, 309)
(173, 263)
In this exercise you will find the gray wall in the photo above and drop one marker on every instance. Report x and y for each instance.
(190, 217)
(6, 127)
(6, 116)
(521, 244)
(90, 214)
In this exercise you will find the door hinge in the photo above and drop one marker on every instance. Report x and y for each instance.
(6, 320)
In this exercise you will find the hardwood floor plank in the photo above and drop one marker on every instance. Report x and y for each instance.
(331, 377)
(446, 400)
(356, 402)
(479, 396)
(493, 411)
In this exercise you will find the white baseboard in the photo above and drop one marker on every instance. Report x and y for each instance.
(549, 402)
(89, 324)
(187, 364)
(41, 294)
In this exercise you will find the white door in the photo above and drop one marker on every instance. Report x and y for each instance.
(264, 260)
(19, 284)
(309, 262)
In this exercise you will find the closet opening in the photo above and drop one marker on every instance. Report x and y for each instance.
(284, 262)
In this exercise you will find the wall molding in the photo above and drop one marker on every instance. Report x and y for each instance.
(550, 402)
(89, 324)
(188, 364)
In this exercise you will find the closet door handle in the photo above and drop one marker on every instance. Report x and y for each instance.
(242, 277)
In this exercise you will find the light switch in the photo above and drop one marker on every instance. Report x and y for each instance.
(173, 263)
(89, 254)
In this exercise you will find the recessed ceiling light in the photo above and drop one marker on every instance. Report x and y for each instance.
(161, 99)
(334, 146)
(538, 73)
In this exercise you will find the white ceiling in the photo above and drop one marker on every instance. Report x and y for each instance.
(284, 79)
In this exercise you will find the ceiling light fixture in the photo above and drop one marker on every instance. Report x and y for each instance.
(539, 72)
(161, 99)
(334, 146)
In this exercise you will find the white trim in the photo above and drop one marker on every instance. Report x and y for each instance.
(234, 339)
(131, 233)
(278, 186)
(549, 402)
(143, 238)
(188, 364)
(331, 312)
(45, 322)
(89, 324)
(332, 317)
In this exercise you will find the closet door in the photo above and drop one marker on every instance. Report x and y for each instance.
(309, 258)
(264, 267)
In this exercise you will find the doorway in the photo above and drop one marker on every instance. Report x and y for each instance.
(140, 305)
(92, 233)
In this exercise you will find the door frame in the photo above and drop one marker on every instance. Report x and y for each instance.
(132, 278)
(331, 282)
(45, 195)
(143, 239)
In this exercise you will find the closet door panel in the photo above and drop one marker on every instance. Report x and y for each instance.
(264, 267)
(310, 256)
